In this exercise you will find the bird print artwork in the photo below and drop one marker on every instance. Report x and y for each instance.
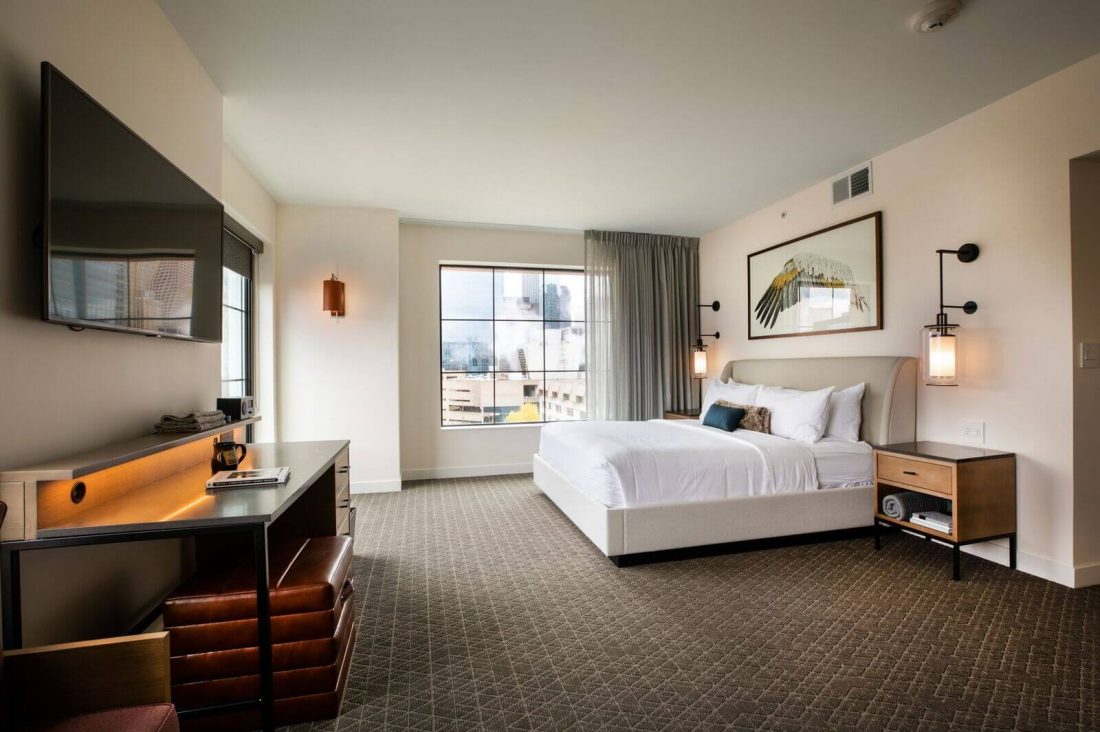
(806, 270)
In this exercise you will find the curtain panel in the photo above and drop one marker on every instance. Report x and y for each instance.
(641, 296)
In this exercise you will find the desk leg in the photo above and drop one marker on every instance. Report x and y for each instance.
(263, 618)
(11, 598)
(956, 556)
(1012, 551)
(878, 536)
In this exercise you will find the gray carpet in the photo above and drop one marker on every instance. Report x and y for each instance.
(481, 606)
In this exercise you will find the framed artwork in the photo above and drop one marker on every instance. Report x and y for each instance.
(829, 281)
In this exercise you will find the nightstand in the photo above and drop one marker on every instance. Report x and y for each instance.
(683, 414)
(979, 483)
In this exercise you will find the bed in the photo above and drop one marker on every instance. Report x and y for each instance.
(641, 491)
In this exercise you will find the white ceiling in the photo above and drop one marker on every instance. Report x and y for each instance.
(673, 116)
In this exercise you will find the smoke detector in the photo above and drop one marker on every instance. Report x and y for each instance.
(935, 15)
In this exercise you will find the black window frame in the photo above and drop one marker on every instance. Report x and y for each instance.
(234, 235)
(492, 372)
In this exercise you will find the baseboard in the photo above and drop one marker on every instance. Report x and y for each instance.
(375, 486)
(466, 471)
(1087, 575)
(1048, 569)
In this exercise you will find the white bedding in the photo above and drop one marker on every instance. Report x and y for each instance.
(669, 461)
(842, 464)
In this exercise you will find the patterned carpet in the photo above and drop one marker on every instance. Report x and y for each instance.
(482, 607)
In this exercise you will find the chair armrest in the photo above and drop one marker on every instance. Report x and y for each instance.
(77, 678)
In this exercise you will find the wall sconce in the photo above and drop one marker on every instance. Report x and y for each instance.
(334, 297)
(940, 342)
(699, 356)
(699, 351)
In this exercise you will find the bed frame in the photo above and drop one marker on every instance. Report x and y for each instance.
(637, 534)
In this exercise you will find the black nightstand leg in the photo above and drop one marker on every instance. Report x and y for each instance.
(956, 555)
(1012, 551)
(878, 536)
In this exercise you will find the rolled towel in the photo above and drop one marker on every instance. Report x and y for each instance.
(905, 504)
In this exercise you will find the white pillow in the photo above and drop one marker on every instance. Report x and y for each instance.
(730, 392)
(846, 413)
(797, 415)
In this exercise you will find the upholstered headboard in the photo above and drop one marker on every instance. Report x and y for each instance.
(889, 402)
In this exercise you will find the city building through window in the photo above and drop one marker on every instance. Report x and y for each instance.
(512, 345)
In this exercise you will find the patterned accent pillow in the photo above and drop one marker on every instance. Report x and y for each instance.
(756, 419)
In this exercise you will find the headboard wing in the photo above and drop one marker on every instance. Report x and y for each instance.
(889, 402)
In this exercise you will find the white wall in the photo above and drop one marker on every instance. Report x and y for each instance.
(251, 205)
(337, 377)
(998, 177)
(1085, 232)
(428, 450)
(64, 391)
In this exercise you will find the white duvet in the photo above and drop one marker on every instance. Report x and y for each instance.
(668, 461)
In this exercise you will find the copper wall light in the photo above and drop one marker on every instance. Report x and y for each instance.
(334, 297)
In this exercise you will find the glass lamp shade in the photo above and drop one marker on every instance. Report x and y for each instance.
(698, 363)
(939, 353)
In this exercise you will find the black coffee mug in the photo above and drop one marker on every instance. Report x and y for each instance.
(226, 457)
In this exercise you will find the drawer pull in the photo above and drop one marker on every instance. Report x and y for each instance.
(909, 472)
(345, 503)
(343, 469)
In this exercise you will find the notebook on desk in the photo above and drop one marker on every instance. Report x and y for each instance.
(248, 478)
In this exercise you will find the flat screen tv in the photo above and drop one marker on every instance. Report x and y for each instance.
(130, 243)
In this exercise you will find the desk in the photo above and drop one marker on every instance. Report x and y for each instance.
(178, 506)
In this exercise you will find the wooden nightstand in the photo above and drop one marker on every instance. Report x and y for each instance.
(980, 484)
(685, 414)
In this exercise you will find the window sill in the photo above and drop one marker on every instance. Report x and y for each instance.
(520, 425)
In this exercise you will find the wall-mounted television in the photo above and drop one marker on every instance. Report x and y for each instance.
(129, 242)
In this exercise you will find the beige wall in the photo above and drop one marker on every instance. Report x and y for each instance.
(64, 391)
(998, 177)
(427, 450)
(337, 376)
(1085, 234)
(249, 203)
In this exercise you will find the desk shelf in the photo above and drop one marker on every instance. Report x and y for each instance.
(117, 453)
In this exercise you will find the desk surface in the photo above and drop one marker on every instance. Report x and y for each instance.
(181, 501)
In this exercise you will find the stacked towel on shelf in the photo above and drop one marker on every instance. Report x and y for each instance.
(194, 422)
(905, 504)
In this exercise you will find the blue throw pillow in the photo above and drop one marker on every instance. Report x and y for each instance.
(724, 418)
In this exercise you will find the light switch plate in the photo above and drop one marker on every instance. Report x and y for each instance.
(974, 430)
(1090, 356)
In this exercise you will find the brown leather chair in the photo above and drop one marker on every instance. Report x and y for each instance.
(104, 685)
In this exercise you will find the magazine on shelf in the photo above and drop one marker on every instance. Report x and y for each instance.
(248, 478)
(932, 520)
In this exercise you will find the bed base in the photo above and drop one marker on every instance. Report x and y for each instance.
(738, 547)
(640, 534)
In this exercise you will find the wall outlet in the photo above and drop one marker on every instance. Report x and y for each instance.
(1090, 356)
(974, 431)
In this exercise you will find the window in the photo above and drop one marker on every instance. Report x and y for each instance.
(512, 345)
(236, 322)
(237, 257)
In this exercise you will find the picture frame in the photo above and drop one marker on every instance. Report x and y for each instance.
(827, 281)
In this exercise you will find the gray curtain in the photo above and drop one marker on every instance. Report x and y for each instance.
(641, 295)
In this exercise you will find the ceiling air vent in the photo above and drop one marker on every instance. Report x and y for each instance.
(853, 184)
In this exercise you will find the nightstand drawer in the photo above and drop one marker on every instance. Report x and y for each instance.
(915, 473)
